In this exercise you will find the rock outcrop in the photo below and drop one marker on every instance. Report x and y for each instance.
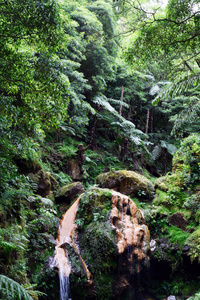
(69, 192)
(109, 229)
(178, 219)
(127, 182)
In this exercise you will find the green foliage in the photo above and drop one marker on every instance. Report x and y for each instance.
(176, 235)
(126, 128)
(63, 178)
(11, 289)
(157, 150)
(100, 162)
(94, 205)
(193, 242)
(30, 72)
(168, 48)
(66, 149)
(100, 251)
(156, 220)
(195, 297)
(184, 89)
(11, 240)
(187, 161)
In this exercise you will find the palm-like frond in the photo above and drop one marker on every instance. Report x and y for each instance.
(188, 89)
(12, 289)
(179, 87)
(118, 122)
(188, 115)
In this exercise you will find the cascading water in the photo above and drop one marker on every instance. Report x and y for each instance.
(65, 233)
(64, 287)
(132, 237)
(64, 272)
(64, 284)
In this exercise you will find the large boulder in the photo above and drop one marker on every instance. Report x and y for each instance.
(127, 182)
(178, 219)
(73, 169)
(42, 182)
(69, 192)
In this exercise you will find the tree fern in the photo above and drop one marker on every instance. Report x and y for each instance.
(188, 89)
(188, 115)
(157, 150)
(126, 128)
(178, 87)
(12, 289)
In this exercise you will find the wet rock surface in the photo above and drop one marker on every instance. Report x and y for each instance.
(108, 243)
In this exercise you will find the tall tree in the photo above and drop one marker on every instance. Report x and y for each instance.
(171, 37)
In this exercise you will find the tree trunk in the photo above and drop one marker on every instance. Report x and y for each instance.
(93, 144)
(124, 149)
(147, 122)
(152, 127)
(121, 100)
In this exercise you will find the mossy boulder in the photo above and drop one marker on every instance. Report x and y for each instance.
(165, 183)
(42, 182)
(193, 242)
(69, 192)
(127, 182)
(161, 183)
(178, 219)
(111, 244)
(95, 203)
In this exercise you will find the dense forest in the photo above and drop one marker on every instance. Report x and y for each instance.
(91, 93)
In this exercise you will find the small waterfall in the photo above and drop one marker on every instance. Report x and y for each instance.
(65, 234)
(64, 287)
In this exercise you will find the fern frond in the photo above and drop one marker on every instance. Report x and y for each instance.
(14, 288)
(127, 128)
(103, 101)
(170, 147)
(177, 88)
(157, 150)
(118, 102)
(187, 115)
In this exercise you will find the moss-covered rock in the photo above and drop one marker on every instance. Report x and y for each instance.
(179, 220)
(95, 204)
(193, 242)
(69, 192)
(42, 182)
(127, 182)
(110, 241)
(161, 183)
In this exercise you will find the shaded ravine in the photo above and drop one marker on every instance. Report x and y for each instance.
(66, 234)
